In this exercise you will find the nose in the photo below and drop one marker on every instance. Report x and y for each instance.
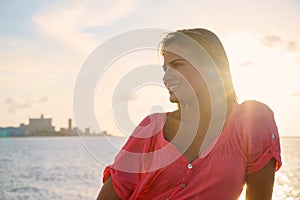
(169, 75)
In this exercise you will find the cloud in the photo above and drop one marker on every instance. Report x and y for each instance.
(246, 64)
(43, 99)
(272, 41)
(276, 41)
(14, 103)
(295, 94)
(70, 21)
(291, 46)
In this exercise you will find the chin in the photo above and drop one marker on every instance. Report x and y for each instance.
(184, 100)
(173, 98)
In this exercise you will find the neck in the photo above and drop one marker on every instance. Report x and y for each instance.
(195, 109)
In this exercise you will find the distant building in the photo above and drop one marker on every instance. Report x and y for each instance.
(40, 125)
(69, 130)
(13, 131)
(43, 127)
(87, 131)
(70, 124)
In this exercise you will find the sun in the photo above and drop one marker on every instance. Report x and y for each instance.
(265, 74)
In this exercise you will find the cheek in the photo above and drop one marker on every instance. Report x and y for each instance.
(196, 81)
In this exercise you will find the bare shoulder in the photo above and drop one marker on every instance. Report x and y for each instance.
(253, 107)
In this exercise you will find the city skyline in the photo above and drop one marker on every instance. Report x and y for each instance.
(43, 127)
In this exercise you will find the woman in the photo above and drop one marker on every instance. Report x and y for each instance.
(208, 148)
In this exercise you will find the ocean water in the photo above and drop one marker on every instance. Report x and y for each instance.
(71, 167)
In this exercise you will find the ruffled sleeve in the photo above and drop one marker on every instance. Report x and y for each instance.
(130, 163)
(260, 135)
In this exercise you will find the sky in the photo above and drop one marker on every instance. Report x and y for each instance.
(44, 44)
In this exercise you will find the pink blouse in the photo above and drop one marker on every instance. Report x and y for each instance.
(150, 167)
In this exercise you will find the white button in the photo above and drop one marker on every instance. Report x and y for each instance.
(273, 136)
(190, 166)
(182, 185)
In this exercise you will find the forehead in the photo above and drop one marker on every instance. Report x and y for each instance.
(197, 57)
(186, 52)
(174, 51)
(170, 56)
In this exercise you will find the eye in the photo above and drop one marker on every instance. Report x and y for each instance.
(177, 65)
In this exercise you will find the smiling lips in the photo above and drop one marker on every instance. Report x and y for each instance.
(173, 87)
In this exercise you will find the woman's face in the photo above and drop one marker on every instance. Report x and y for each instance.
(182, 80)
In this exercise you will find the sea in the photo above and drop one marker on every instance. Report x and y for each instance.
(71, 167)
